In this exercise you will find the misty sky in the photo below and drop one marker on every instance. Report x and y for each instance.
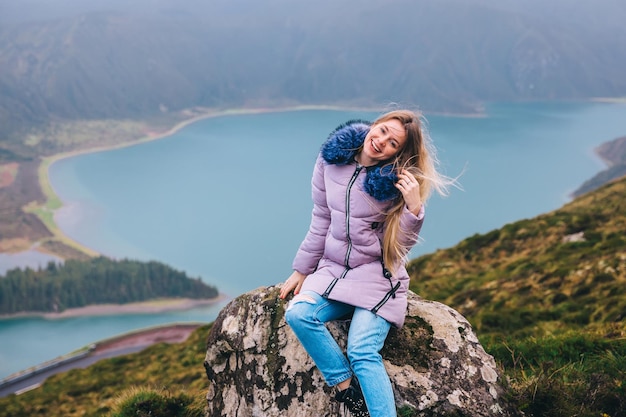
(11, 11)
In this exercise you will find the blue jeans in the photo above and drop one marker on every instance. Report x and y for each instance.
(306, 314)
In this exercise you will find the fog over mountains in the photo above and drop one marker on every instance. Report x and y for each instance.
(78, 59)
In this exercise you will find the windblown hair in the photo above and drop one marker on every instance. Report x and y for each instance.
(418, 156)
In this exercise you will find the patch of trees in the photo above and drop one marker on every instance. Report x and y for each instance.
(96, 281)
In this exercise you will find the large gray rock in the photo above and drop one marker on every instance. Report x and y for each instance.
(257, 367)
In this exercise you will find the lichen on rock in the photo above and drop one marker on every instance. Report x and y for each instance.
(257, 367)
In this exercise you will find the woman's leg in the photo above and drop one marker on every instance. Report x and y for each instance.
(306, 314)
(365, 340)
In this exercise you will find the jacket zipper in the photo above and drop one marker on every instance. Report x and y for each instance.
(387, 274)
(348, 238)
(348, 190)
(390, 293)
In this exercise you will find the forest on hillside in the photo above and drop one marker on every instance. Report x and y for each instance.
(99, 280)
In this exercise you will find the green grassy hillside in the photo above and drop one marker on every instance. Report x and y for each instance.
(547, 298)
(557, 272)
(173, 370)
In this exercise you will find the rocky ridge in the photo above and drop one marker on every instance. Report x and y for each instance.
(257, 367)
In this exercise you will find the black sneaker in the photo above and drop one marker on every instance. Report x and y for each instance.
(352, 399)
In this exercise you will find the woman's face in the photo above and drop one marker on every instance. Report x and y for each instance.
(383, 142)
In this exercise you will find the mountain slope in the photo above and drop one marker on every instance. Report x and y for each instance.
(560, 271)
(613, 153)
(132, 62)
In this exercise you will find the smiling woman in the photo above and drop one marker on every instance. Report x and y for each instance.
(351, 262)
(382, 142)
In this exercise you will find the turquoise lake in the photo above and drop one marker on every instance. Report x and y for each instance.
(228, 199)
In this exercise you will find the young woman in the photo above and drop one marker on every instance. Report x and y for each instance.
(370, 183)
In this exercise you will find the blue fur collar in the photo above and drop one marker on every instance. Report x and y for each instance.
(341, 147)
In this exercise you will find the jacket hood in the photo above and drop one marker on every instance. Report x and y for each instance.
(340, 149)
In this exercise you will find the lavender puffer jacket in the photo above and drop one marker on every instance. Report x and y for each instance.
(341, 253)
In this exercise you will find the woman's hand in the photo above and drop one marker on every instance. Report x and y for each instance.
(410, 189)
(293, 283)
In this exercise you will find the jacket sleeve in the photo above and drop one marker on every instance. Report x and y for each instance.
(410, 226)
(312, 247)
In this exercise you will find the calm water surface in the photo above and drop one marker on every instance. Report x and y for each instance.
(228, 199)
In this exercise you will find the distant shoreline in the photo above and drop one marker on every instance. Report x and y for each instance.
(44, 167)
(143, 307)
(44, 176)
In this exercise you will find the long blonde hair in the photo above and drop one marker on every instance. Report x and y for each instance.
(417, 156)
